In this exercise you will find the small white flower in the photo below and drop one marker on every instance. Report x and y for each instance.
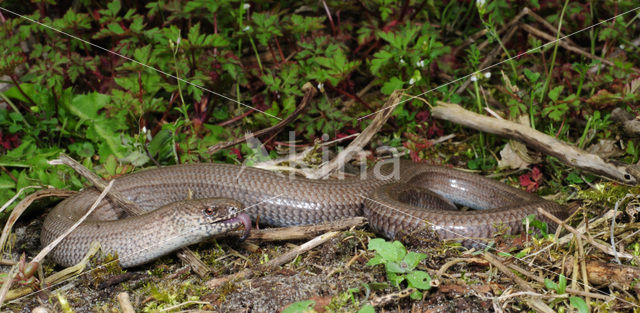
(401, 61)
(420, 63)
(246, 6)
(144, 129)
(474, 78)
(246, 28)
(622, 47)
(321, 87)
(412, 81)
(487, 75)
(481, 3)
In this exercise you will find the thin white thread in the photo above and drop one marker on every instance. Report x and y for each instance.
(139, 63)
(501, 62)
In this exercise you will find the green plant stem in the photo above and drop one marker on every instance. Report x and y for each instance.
(15, 109)
(584, 133)
(532, 112)
(543, 92)
(183, 104)
(592, 36)
(495, 35)
(479, 104)
(255, 50)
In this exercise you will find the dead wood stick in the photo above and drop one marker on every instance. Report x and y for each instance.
(363, 139)
(544, 143)
(125, 303)
(548, 25)
(602, 247)
(602, 273)
(305, 232)
(533, 302)
(132, 208)
(309, 93)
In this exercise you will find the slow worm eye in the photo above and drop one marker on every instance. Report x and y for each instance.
(208, 211)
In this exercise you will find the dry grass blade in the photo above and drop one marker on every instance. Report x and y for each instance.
(23, 205)
(54, 243)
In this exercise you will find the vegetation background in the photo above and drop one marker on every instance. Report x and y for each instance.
(165, 80)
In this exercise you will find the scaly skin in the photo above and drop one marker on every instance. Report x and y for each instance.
(390, 204)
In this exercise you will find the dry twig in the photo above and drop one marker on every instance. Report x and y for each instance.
(602, 247)
(542, 142)
(531, 300)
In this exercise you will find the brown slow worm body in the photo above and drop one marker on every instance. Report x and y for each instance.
(420, 195)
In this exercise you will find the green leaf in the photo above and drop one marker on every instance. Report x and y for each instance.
(392, 85)
(136, 158)
(6, 182)
(83, 149)
(389, 251)
(113, 7)
(416, 295)
(396, 267)
(550, 284)
(412, 259)
(380, 59)
(377, 259)
(555, 93)
(115, 28)
(367, 308)
(579, 304)
(531, 76)
(395, 279)
(14, 92)
(419, 279)
(86, 106)
(300, 307)
(562, 284)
